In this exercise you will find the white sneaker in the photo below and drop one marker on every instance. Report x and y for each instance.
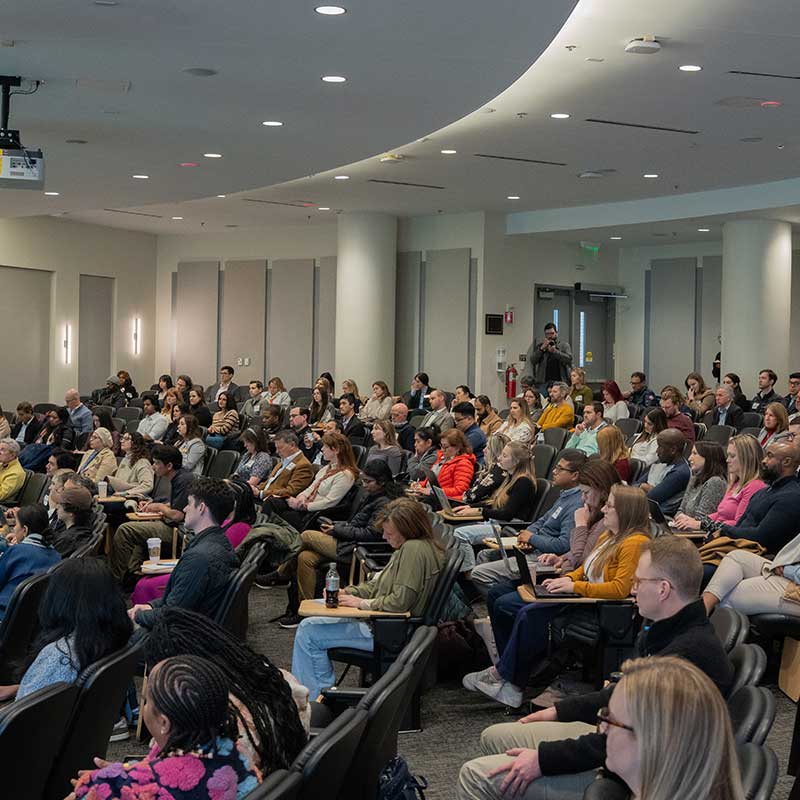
(502, 691)
(471, 679)
(120, 731)
(483, 627)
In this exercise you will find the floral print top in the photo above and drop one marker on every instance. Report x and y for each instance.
(218, 772)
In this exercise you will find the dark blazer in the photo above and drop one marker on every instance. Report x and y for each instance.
(354, 429)
(412, 399)
(34, 426)
(734, 417)
(211, 392)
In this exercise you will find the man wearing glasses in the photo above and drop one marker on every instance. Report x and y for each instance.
(555, 752)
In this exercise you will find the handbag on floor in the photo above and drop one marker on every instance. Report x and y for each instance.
(397, 783)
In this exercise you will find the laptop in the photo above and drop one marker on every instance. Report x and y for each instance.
(430, 475)
(524, 567)
(656, 513)
(447, 507)
(540, 592)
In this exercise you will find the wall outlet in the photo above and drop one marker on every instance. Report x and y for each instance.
(523, 357)
(247, 362)
(238, 362)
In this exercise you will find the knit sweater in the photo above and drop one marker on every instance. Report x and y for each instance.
(617, 573)
(223, 422)
(557, 417)
(702, 499)
(732, 506)
(406, 583)
(330, 488)
(133, 479)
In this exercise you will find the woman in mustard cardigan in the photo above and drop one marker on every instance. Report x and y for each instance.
(607, 573)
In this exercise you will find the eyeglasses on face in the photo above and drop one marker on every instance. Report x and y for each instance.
(604, 718)
(559, 468)
(636, 581)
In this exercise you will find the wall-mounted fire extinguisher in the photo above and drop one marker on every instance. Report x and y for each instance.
(511, 381)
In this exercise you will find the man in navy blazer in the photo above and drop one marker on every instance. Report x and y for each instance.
(726, 411)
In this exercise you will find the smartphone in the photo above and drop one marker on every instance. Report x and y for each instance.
(325, 520)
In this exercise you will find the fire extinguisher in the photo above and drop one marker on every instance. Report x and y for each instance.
(511, 381)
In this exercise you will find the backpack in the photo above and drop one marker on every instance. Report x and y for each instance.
(397, 783)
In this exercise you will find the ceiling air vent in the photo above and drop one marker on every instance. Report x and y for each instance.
(763, 74)
(523, 160)
(640, 125)
(403, 183)
(133, 213)
(276, 202)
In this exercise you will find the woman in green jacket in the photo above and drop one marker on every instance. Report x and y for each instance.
(404, 585)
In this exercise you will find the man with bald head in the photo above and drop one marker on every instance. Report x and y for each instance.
(404, 431)
(773, 515)
(666, 480)
(438, 415)
(79, 414)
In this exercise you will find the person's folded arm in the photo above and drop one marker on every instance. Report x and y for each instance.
(570, 756)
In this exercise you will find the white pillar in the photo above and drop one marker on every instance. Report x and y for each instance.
(366, 269)
(756, 299)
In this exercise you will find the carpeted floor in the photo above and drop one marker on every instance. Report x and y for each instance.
(452, 717)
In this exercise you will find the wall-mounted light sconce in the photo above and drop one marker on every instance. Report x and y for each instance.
(67, 344)
(137, 335)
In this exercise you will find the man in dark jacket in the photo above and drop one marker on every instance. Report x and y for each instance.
(726, 411)
(201, 576)
(548, 763)
(27, 425)
(334, 541)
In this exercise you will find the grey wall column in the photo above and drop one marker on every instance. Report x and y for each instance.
(756, 298)
(365, 297)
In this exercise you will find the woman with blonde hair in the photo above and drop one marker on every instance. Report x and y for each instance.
(404, 585)
(385, 447)
(491, 474)
(580, 394)
(776, 420)
(519, 427)
(668, 733)
(521, 631)
(349, 386)
(515, 498)
(276, 394)
(172, 397)
(379, 406)
(611, 446)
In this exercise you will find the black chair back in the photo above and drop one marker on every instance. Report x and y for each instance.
(629, 427)
(233, 612)
(32, 731)
(280, 785)
(637, 469)
(720, 434)
(758, 767)
(547, 494)
(444, 585)
(751, 431)
(161, 489)
(749, 662)
(90, 548)
(43, 408)
(544, 456)
(324, 762)
(33, 490)
(731, 626)
(557, 437)
(20, 625)
(699, 431)
(110, 410)
(752, 419)
(360, 453)
(102, 687)
(224, 464)
(752, 710)
(606, 787)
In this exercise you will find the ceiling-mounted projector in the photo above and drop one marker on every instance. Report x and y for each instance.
(20, 167)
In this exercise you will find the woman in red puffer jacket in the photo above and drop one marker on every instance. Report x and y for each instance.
(454, 465)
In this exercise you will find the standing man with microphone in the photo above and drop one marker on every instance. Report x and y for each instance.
(549, 360)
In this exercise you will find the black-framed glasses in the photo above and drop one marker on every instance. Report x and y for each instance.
(559, 468)
(604, 718)
(636, 581)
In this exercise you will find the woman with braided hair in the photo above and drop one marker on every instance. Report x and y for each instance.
(268, 709)
(193, 757)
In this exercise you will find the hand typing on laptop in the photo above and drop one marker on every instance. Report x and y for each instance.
(550, 560)
(559, 585)
(464, 511)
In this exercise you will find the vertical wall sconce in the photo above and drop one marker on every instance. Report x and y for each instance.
(67, 344)
(137, 335)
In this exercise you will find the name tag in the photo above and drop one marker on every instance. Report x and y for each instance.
(556, 513)
(291, 466)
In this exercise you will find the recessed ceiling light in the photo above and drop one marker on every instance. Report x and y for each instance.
(334, 78)
(52, 194)
(704, 230)
(448, 152)
(771, 104)
(189, 164)
(231, 226)
(177, 217)
(513, 197)
(222, 195)
(106, 2)
(690, 68)
(341, 177)
(76, 141)
(140, 177)
(615, 238)
(595, 60)
(272, 123)
(200, 72)
(212, 155)
(780, 146)
(650, 175)
(324, 208)
(559, 116)
(330, 11)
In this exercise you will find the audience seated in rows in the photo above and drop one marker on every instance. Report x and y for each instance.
(308, 443)
(732, 380)
(102, 419)
(251, 408)
(404, 585)
(558, 749)
(792, 399)
(153, 424)
(489, 477)
(640, 394)
(321, 409)
(160, 389)
(27, 425)
(276, 394)
(174, 397)
(74, 513)
(419, 396)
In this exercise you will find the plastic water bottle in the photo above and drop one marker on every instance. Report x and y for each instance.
(332, 587)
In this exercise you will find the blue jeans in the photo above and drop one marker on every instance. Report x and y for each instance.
(466, 536)
(315, 636)
(215, 440)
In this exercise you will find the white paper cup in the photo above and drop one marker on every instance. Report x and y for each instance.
(102, 488)
(154, 549)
